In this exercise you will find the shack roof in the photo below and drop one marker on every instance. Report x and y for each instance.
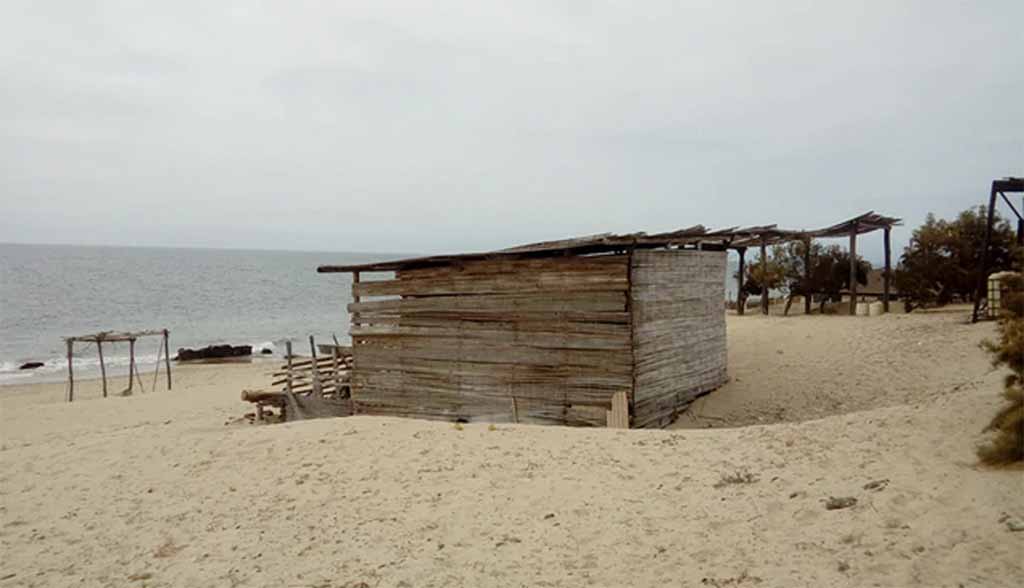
(732, 237)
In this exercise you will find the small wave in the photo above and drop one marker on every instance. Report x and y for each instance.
(55, 368)
(257, 348)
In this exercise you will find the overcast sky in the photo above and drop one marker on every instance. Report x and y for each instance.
(450, 126)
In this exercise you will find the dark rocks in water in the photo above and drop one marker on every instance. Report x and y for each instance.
(31, 365)
(214, 352)
(266, 351)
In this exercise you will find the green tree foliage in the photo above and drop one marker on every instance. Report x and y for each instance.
(785, 272)
(1008, 444)
(758, 274)
(943, 260)
(830, 273)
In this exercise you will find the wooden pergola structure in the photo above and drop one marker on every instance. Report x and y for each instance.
(119, 337)
(999, 188)
(859, 225)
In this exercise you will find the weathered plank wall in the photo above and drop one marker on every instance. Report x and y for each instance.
(528, 340)
(677, 302)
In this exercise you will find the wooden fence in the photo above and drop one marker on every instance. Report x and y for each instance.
(305, 387)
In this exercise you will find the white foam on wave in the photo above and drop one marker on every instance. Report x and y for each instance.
(55, 368)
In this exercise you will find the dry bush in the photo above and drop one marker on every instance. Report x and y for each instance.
(737, 477)
(1008, 425)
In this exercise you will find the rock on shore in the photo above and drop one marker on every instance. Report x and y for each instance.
(213, 352)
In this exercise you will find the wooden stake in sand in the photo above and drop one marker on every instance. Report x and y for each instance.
(336, 366)
(131, 364)
(156, 368)
(71, 373)
(315, 373)
(103, 368)
(288, 351)
(167, 356)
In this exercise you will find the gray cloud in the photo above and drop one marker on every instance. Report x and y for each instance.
(452, 126)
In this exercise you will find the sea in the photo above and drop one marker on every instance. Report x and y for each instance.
(202, 296)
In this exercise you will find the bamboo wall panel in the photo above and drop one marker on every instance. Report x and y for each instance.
(678, 330)
(536, 340)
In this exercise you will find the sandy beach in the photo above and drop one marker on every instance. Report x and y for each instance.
(171, 489)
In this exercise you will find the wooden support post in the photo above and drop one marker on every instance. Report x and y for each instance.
(741, 301)
(317, 387)
(807, 275)
(103, 367)
(979, 288)
(138, 376)
(336, 366)
(853, 270)
(288, 381)
(71, 372)
(764, 275)
(355, 298)
(887, 276)
(156, 369)
(167, 357)
(131, 364)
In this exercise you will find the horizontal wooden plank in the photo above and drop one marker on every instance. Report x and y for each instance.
(515, 266)
(497, 323)
(394, 402)
(556, 316)
(541, 340)
(482, 351)
(498, 303)
(427, 388)
(503, 377)
(575, 280)
(607, 376)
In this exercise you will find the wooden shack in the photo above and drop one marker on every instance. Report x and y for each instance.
(608, 330)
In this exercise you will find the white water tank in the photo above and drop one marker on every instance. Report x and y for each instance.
(876, 308)
(862, 309)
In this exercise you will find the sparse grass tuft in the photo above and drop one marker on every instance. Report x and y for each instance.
(742, 476)
(168, 549)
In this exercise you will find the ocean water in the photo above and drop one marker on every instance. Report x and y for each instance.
(203, 296)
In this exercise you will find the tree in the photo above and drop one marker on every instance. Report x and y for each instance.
(757, 275)
(1008, 444)
(942, 262)
(829, 272)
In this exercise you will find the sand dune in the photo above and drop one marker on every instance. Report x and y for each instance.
(156, 490)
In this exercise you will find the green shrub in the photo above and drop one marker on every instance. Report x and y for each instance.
(943, 260)
(1008, 425)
